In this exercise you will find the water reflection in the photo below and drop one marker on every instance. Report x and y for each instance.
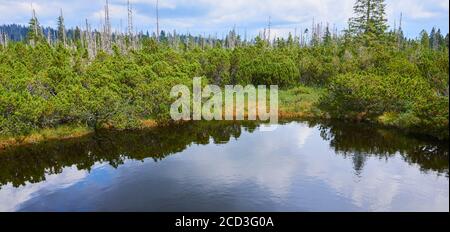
(229, 166)
(30, 164)
(360, 141)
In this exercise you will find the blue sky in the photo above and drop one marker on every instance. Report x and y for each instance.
(219, 16)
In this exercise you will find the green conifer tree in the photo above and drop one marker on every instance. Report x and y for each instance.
(327, 36)
(433, 39)
(369, 19)
(424, 39)
(34, 34)
(61, 29)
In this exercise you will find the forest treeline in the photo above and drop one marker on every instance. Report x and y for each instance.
(97, 78)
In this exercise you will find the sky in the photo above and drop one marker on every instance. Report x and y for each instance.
(216, 17)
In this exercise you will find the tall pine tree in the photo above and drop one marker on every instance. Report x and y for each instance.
(369, 18)
(61, 29)
(424, 39)
(433, 39)
(327, 36)
(34, 34)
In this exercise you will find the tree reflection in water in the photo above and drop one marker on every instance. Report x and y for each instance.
(360, 141)
(31, 163)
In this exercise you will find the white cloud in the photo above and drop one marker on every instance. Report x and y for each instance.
(219, 16)
(416, 10)
(11, 198)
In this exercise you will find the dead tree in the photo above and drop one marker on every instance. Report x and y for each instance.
(130, 30)
(269, 30)
(175, 40)
(90, 41)
(34, 26)
(3, 39)
(400, 31)
(157, 20)
(106, 36)
(49, 39)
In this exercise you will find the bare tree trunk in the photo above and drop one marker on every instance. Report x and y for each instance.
(269, 30)
(130, 26)
(90, 41)
(49, 40)
(106, 38)
(400, 33)
(2, 39)
(157, 20)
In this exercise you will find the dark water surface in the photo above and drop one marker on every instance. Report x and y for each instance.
(226, 166)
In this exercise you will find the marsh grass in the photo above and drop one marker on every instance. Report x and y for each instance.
(301, 101)
(58, 133)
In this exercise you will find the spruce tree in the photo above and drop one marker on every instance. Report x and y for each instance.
(290, 40)
(440, 39)
(61, 29)
(433, 39)
(369, 19)
(34, 34)
(424, 39)
(327, 36)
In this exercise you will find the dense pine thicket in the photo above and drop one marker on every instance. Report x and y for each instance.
(369, 74)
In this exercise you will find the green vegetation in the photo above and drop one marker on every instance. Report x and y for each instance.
(301, 102)
(367, 74)
(395, 100)
(59, 133)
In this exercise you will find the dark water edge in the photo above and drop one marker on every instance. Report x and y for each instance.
(363, 144)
